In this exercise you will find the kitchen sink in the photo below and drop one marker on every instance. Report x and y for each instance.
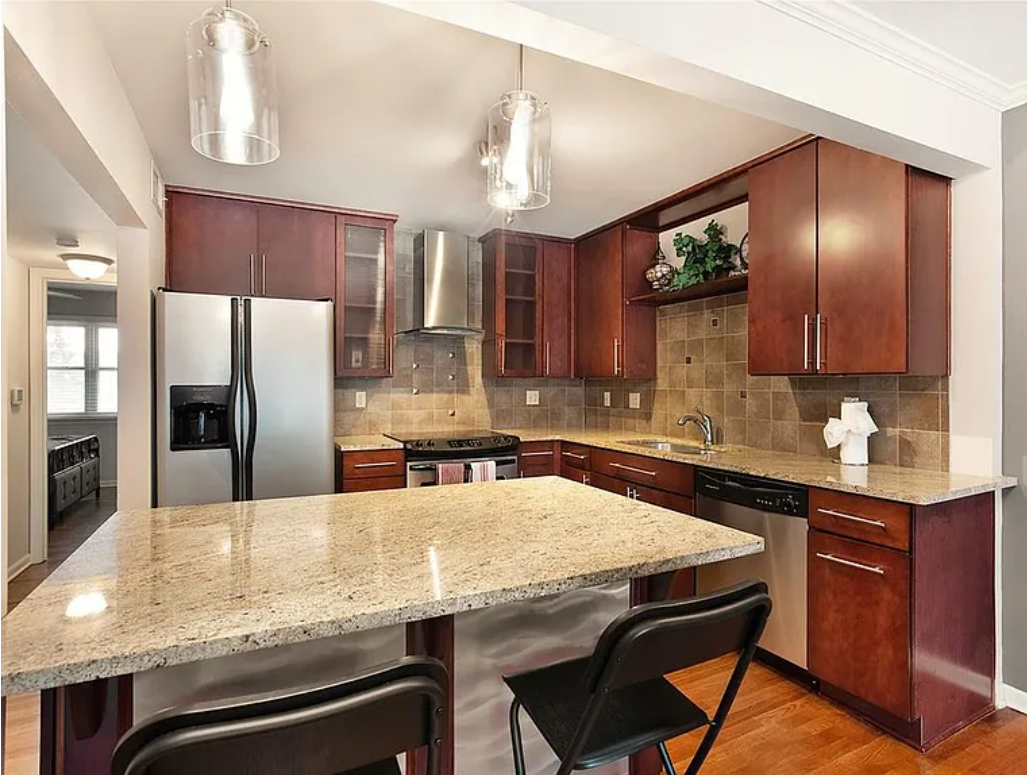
(667, 446)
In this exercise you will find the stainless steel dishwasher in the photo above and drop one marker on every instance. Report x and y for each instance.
(777, 512)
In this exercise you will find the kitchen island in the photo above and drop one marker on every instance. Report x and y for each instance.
(156, 588)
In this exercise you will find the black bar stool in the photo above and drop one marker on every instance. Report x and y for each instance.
(594, 710)
(355, 726)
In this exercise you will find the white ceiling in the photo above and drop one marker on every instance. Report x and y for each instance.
(44, 202)
(381, 109)
(988, 36)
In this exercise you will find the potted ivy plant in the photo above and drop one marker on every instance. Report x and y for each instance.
(708, 258)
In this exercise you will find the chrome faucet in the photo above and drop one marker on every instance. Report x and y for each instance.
(703, 421)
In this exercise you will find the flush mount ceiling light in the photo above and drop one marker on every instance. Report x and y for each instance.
(86, 265)
(233, 95)
(518, 154)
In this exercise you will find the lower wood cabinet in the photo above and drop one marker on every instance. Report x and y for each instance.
(649, 471)
(575, 474)
(859, 625)
(667, 500)
(370, 470)
(538, 458)
(576, 456)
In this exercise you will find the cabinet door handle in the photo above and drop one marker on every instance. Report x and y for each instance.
(853, 518)
(537, 454)
(502, 356)
(547, 359)
(263, 274)
(253, 272)
(573, 455)
(632, 469)
(585, 479)
(631, 493)
(820, 360)
(375, 465)
(616, 356)
(852, 563)
(805, 342)
(388, 354)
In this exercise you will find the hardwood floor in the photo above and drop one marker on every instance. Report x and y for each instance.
(775, 728)
(78, 523)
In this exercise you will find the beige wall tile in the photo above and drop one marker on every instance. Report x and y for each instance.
(920, 411)
(758, 405)
(920, 449)
(784, 436)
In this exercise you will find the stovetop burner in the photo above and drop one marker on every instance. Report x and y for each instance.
(456, 444)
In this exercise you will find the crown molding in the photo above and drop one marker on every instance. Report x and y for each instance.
(854, 25)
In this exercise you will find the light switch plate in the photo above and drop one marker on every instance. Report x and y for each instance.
(361, 399)
(634, 400)
(531, 397)
(17, 396)
(607, 400)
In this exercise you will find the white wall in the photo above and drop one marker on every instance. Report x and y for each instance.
(69, 94)
(16, 354)
(4, 258)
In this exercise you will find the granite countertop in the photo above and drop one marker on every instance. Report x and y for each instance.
(365, 443)
(907, 485)
(157, 587)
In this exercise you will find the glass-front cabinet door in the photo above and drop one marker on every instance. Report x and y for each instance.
(521, 266)
(364, 316)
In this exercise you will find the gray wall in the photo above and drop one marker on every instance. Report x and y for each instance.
(1014, 386)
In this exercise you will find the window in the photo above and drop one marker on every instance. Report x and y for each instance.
(81, 368)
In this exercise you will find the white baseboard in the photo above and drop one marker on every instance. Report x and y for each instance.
(19, 566)
(112, 483)
(1015, 698)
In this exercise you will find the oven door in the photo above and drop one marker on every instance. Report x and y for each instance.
(422, 473)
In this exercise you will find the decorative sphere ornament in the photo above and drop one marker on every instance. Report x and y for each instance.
(661, 274)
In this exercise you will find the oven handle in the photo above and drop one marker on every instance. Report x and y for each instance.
(431, 465)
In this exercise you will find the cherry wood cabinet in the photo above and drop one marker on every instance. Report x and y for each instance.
(527, 303)
(902, 610)
(848, 265)
(297, 252)
(613, 339)
(370, 471)
(211, 244)
(538, 458)
(364, 296)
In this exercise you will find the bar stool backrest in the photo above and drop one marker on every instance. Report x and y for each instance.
(651, 640)
(325, 730)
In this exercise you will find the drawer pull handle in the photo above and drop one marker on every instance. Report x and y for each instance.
(574, 455)
(632, 469)
(375, 465)
(851, 518)
(852, 564)
(537, 454)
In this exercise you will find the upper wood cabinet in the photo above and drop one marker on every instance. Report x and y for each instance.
(613, 339)
(211, 244)
(848, 265)
(364, 296)
(527, 303)
(239, 247)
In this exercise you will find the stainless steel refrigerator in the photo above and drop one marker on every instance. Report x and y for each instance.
(244, 398)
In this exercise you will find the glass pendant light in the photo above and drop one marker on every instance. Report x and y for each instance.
(233, 99)
(518, 154)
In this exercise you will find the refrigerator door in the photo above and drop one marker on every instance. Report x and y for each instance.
(288, 378)
(196, 348)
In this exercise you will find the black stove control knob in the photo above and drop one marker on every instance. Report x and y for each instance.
(431, 444)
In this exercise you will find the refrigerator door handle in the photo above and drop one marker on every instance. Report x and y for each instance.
(233, 402)
(251, 400)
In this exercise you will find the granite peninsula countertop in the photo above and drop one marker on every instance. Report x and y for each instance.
(157, 587)
(365, 443)
(906, 485)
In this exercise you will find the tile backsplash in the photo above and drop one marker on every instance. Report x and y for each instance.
(437, 383)
(702, 347)
(701, 359)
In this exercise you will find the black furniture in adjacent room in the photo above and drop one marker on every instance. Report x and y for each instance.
(73, 471)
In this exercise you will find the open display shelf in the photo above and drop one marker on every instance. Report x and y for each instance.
(707, 290)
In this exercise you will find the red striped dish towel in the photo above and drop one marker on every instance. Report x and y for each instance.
(449, 473)
(483, 471)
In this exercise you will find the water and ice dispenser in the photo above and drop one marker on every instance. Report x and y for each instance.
(199, 417)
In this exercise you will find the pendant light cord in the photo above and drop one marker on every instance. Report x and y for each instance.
(520, 68)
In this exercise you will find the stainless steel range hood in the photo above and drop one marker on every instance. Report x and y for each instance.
(441, 284)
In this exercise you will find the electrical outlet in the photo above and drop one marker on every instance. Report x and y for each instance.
(634, 400)
(361, 399)
(531, 397)
(607, 400)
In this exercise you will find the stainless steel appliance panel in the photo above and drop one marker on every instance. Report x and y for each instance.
(290, 356)
(422, 473)
(782, 564)
(193, 347)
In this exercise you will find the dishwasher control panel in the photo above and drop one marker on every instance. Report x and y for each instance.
(761, 494)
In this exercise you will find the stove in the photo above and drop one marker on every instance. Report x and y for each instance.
(457, 445)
